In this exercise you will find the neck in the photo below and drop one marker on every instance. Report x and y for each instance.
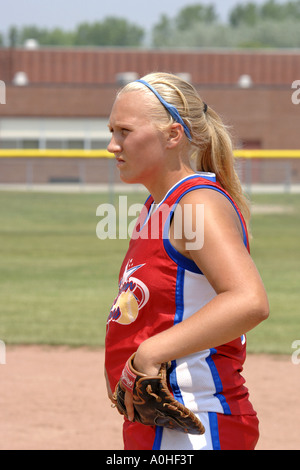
(159, 188)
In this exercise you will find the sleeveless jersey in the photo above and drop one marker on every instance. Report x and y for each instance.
(159, 287)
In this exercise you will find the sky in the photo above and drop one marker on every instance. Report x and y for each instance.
(69, 13)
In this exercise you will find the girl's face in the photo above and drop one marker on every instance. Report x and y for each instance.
(136, 143)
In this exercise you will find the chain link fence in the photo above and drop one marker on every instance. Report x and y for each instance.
(97, 171)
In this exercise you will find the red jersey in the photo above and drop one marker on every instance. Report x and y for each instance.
(159, 287)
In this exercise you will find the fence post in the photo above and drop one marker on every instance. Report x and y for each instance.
(288, 176)
(29, 173)
(82, 172)
(248, 175)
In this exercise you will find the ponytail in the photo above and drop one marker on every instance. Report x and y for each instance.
(215, 154)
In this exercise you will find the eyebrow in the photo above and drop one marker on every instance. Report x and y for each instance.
(119, 124)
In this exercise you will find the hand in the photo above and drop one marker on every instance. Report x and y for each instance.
(141, 364)
(109, 392)
(129, 405)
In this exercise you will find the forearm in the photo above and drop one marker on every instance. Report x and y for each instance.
(109, 392)
(222, 320)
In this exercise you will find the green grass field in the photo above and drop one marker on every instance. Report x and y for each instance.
(58, 280)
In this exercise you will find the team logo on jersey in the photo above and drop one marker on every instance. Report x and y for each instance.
(133, 295)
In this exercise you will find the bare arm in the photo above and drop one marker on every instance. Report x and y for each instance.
(109, 392)
(241, 302)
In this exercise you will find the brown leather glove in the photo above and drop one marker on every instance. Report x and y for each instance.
(154, 405)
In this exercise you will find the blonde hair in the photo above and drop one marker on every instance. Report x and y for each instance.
(211, 144)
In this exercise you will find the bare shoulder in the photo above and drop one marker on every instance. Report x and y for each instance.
(208, 222)
(216, 207)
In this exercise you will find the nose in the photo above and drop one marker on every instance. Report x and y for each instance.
(114, 146)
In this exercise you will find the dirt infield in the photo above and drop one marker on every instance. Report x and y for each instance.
(53, 398)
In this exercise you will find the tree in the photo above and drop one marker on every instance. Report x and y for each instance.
(163, 32)
(192, 14)
(251, 13)
(280, 11)
(247, 14)
(13, 36)
(178, 31)
(110, 32)
(44, 37)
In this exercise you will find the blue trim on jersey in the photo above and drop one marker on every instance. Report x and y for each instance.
(173, 383)
(217, 382)
(214, 430)
(147, 216)
(189, 265)
(177, 319)
(177, 257)
(158, 438)
(206, 186)
(207, 176)
(172, 371)
(180, 259)
(233, 205)
(179, 295)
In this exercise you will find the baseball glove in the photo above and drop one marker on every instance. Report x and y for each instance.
(154, 405)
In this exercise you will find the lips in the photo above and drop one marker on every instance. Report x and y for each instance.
(120, 161)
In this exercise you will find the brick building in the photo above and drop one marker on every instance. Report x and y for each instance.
(61, 98)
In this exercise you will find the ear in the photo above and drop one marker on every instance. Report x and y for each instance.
(175, 135)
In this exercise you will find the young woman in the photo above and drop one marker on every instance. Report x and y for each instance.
(188, 288)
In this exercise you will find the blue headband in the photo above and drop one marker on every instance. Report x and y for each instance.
(170, 108)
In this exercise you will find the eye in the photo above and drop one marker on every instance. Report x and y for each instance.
(120, 130)
(125, 131)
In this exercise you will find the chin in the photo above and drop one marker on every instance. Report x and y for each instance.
(129, 180)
